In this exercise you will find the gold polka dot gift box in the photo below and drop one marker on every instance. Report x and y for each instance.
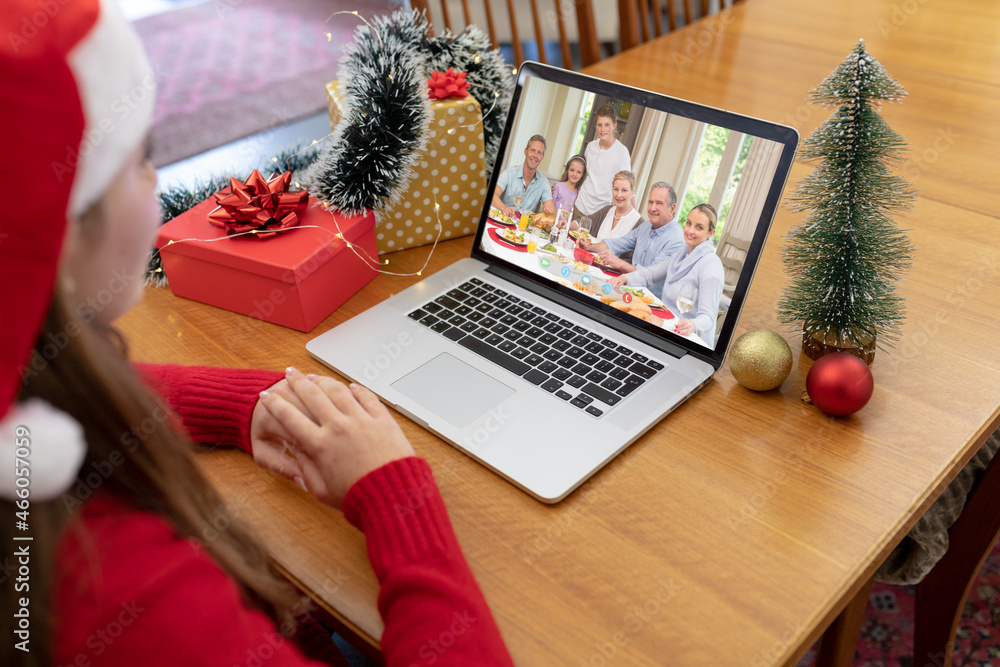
(451, 171)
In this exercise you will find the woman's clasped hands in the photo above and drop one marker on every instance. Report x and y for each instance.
(335, 433)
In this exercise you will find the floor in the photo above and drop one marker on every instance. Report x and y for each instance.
(233, 157)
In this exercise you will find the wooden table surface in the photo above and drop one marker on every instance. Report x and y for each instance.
(735, 530)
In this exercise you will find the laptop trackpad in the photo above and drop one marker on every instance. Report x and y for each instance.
(453, 390)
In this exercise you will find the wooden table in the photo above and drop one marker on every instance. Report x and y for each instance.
(738, 528)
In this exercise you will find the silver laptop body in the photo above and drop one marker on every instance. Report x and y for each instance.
(547, 437)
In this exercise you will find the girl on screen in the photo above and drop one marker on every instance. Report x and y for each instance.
(565, 191)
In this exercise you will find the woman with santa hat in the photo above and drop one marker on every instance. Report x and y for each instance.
(102, 501)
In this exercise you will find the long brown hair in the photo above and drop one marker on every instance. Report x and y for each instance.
(80, 367)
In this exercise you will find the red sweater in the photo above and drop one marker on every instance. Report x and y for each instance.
(130, 592)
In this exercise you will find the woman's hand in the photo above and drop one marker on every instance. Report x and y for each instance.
(343, 434)
(685, 327)
(268, 438)
(616, 281)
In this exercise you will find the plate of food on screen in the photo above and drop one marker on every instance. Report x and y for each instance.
(498, 217)
(638, 302)
(514, 237)
(633, 307)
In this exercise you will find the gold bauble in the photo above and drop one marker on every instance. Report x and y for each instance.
(760, 360)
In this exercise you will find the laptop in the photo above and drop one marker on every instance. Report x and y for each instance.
(527, 359)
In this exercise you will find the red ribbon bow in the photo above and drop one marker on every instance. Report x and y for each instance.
(264, 206)
(448, 84)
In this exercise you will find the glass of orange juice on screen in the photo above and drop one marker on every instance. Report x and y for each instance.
(523, 222)
(532, 243)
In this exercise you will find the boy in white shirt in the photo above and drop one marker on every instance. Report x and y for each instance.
(606, 156)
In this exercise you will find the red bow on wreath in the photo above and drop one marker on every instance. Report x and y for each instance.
(264, 206)
(448, 84)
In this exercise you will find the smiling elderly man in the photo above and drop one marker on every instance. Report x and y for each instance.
(651, 242)
(521, 187)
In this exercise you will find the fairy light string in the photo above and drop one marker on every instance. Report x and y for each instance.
(479, 120)
(352, 12)
(358, 251)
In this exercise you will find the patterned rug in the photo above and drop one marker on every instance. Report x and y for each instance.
(887, 633)
(227, 69)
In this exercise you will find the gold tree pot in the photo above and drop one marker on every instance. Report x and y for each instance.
(818, 344)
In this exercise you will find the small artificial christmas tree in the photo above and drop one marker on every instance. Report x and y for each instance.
(847, 256)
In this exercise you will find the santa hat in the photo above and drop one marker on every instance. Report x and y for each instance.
(78, 98)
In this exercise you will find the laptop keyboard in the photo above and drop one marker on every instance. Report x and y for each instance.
(579, 366)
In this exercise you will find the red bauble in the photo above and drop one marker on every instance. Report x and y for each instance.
(840, 384)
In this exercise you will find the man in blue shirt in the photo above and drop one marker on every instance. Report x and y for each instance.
(521, 187)
(651, 242)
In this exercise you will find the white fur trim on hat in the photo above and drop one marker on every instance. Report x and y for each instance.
(117, 87)
(41, 445)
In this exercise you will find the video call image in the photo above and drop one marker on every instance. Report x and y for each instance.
(651, 213)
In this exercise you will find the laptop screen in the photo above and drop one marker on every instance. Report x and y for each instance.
(645, 211)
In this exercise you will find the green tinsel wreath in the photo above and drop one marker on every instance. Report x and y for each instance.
(369, 161)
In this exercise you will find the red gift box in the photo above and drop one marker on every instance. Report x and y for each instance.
(294, 278)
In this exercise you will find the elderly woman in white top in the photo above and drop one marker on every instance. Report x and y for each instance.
(698, 268)
(618, 218)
